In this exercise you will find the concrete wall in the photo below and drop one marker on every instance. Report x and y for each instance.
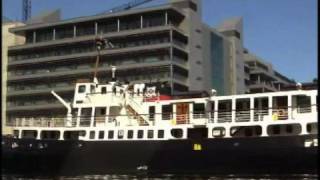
(8, 39)
(192, 26)
(236, 54)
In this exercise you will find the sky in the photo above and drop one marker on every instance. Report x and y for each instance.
(281, 32)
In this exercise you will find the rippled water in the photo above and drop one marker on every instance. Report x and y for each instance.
(169, 176)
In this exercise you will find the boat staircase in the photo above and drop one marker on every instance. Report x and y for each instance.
(134, 109)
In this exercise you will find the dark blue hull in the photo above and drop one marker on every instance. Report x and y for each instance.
(265, 155)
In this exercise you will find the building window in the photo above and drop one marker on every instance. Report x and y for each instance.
(193, 6)
(130, 134)
(140, 134)
(101, 134)
(160, 134)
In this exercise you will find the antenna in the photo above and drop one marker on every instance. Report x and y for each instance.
(127, 6)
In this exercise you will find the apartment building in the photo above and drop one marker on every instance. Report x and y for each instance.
(262, 76)
(8, 39)
(167, 43)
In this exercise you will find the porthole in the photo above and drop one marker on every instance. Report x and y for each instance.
(177, 133)
(218, 132)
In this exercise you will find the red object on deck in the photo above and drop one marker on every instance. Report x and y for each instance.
(155, 98)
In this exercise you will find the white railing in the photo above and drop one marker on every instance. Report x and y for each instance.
(242, 116)
(268, 115)
(224, 117)
(41, 122)
(259, 114)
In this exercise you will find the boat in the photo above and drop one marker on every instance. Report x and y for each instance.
(127, 127)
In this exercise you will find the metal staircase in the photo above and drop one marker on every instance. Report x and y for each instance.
(134, 109)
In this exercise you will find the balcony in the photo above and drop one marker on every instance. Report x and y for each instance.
(34, 107)
(263, 84)
(115, 51)
(40, 91)
(77, 39)
(87, 71)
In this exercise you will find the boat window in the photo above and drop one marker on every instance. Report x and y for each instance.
(212, 111)
(120, 134)
(261, 105)
(160, 133)
(198, 110)
(101, 134)
(103, 111)
(73, 135)
(32, 134)
(284, 129)
(218, 132)
(152, 111)
(85, 117)
(280, 107)
(224, 111)
(167, 112)
(82, 89)
(103, 90)
(289, 128)
(276, 129)
(312, 128)
(53, 135)
(92, 133)
(150, 134)
(140, 134)
(177, 133)
(242, 110)
(110, 134)
(92, 89)
(16, 133)
(246, 131)
(301, 103)
(130, 134)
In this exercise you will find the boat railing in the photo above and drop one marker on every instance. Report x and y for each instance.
(210, 117)
(224, 116)
(41, 122)
(259, 114)
(242, 116)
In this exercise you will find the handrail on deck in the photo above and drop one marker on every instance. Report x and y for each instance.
(222, 117)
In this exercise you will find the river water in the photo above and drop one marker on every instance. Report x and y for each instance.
(169, 176)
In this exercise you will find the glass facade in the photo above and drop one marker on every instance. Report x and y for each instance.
(217, 63)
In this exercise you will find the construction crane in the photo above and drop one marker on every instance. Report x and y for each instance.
(127, 6)
(26, 10)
